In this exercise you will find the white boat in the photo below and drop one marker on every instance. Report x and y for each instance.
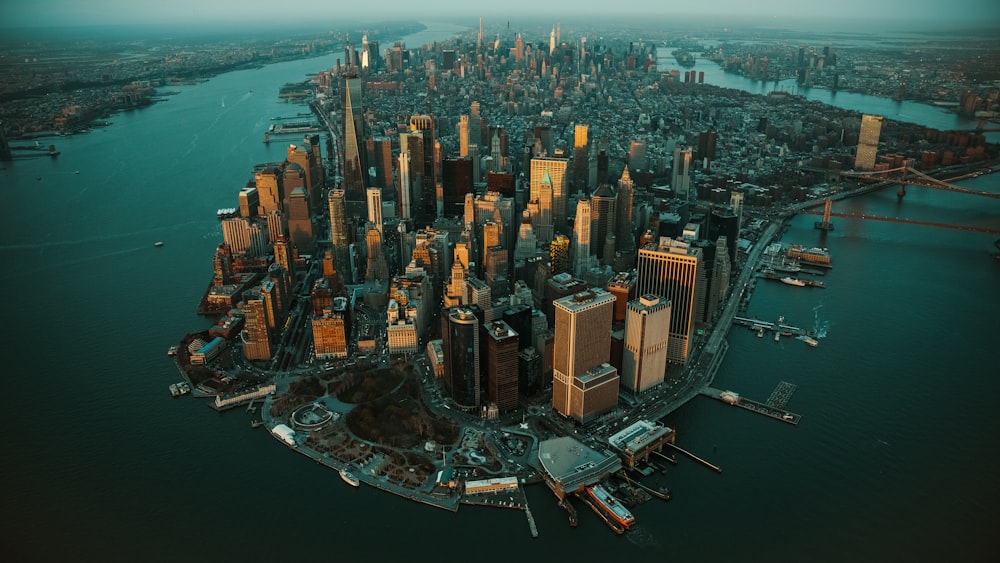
(793, 281)
(810, 341)
(158, 243)
(349, 478)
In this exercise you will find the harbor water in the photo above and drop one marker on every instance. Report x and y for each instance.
(893, 458)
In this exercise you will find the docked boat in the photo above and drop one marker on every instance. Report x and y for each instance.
(178, 389)
(611, 506)
(349, 478)
(793, 281)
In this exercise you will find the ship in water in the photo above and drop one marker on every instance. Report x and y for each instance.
(809, 340)
(683, 57)
(793, 281)
(158, 243)
(611, 506)
(349, 478)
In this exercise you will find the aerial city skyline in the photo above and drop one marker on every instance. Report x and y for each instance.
(508, 268)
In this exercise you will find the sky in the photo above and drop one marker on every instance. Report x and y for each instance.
(35, 13)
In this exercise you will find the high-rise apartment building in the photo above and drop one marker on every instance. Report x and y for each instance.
(676, 271)
(647, 329)
(580, 358)
(501, 361)
(871, 128)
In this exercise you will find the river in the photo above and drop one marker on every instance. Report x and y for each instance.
(892, 460)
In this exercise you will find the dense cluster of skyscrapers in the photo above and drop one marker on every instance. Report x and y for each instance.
(517, 267)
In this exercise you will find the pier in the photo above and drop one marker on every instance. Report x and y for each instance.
(531, 520)
(706, 463)
(758, 324)
(773, 408)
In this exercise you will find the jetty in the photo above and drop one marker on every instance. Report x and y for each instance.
(773, 408)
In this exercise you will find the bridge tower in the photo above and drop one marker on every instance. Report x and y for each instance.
(825, 224)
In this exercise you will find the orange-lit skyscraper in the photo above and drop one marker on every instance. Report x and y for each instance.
(676, 271)
(871, 128)
(584, 385)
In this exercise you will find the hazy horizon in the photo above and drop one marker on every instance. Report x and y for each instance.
(320, 13)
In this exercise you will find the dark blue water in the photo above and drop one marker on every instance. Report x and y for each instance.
(893, 457)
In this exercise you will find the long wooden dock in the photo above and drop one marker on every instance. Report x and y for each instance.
(760, 324)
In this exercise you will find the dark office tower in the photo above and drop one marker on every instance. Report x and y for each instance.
(337, 200)
(721, 271)
(724, 223)
(456, 181)
(624, 231)
(382, 162)
(426, 208)
(706, 148)
(603, 217)
(581, 166)
(352, 127)
(299, 221)
(603, 160)
(411, 144)
(475, 125)
(559, 254)
(448, 59)
(222, 264)
(501, 361)
(460, 344)
(519, 319)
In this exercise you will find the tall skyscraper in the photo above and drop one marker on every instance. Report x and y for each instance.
(624, 231)
(581, 164)
(501, 364)
(581, 238)
(256, 333)
(338, 231)
(352, 127)
(647, 329)
(584, 385)
(463, 136)
(545, 200)
(603, 218)
(460, 343)
(377, 267)
(382, 163)
(721, 271)
(405, 188)
(555, 169)
(375, 207)
(871, 128)
(676, 271)
(680, 180)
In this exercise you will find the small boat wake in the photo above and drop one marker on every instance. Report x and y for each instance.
(820, 326)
